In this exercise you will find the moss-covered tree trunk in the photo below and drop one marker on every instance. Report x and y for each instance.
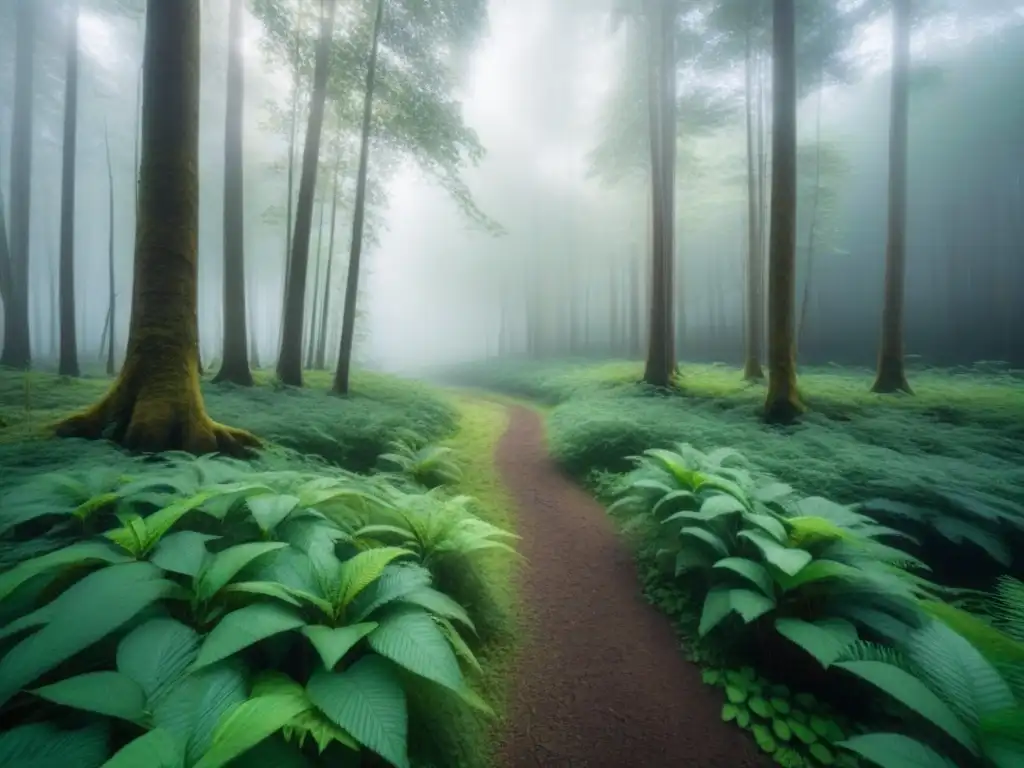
(343, 371)
(289, 361)
(234, 365)
(68, 362)
(891, 375)
(783, 401)
(755, 274)
(17, 352)
(155, 403)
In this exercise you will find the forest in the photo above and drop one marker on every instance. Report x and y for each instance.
(498, 383)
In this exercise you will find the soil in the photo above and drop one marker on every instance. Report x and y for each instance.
(601, 681)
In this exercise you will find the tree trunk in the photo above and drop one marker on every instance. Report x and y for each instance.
(314, 314)
(68, 364)
(17, 352)
(755, 274)
(813, 230)
(289, 361)
(660, 366)
(320, 361)
(234, 365)
(342, 373)
(783, 401)
(891, 375)
(111, 272)
(155, 403)
(293, 129)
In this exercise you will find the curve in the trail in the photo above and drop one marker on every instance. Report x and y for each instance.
(601, 681)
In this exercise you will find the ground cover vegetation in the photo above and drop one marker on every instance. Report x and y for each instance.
(337, 595)
(862, 561)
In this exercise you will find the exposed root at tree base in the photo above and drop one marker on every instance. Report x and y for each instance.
(148, 421)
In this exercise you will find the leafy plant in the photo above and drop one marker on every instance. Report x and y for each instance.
(751, 549)
(427, 465)
(211, 620)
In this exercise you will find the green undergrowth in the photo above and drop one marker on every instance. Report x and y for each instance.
(829, 640)
(282, 611)
(349, 432)
(948, 462)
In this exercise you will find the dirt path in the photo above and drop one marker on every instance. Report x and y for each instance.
(601, 682)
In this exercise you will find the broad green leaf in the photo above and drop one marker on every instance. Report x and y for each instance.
(913, 694)
(333, 643)
(716, 608)
(275, 752)
(893, 750)
(683, 498)
(156, 749)
(439, 604)
(366, 700)
(194, 707)
(787, 560)
(815, 571)
(244, 627)
(750, 605)
(752, 571)
(42, 745)
(223, 566)
(771, 492)
(959, 531)
(76, 554)
(958, 672)
(87, 612)
(183, 552)
(156, 655)
(361, 570)
(269, 509)
(249, 723)
(720, 504)
(824, 639)
(161, 521)
(265, 588)
(311, 722)
(413, 640)
(462, 650)
(106, 693)
(706, 536)
(394, 582)
(768, 524)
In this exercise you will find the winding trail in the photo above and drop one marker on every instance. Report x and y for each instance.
(601, 682)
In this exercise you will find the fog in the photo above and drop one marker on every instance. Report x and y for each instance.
(540, 262)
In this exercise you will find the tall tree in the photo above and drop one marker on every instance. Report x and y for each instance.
(755, 275)
(68, 365)
(662, 16)
(111, 272)
(17, 351)
(234, 365)
(783, 401)
(156, 404)
(320, 361)
(289, 361)
(343, 371)
(891, 375)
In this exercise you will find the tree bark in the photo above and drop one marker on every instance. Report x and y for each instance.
(289, 361)
(68, 363)
(659, 369)
(783, 402)
(314, 313)
(320, 362)
(155, 404)
(234, 366)
(342, 373)
(111, 272)
(17, 351)
(296, 82)
(755, 253)
(891, 375)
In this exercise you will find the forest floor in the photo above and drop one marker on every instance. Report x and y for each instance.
(600, 680)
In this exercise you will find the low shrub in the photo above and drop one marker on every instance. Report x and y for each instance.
(761, 563)
(206, 612)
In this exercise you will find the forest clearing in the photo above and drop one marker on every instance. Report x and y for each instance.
(500, 383)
